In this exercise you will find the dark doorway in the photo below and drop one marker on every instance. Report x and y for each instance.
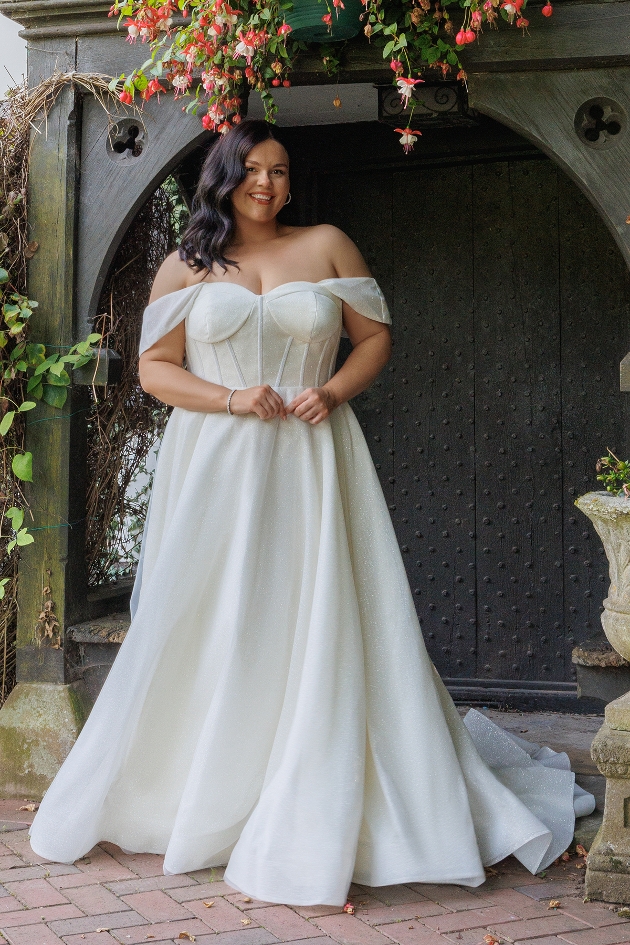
(510, 317)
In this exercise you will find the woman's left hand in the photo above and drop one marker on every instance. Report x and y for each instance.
(313, 405)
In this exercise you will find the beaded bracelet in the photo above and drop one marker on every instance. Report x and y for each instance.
(228, 401)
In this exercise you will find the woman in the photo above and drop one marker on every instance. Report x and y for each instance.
(273, 706)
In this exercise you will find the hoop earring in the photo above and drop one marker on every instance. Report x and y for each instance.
(288, 200)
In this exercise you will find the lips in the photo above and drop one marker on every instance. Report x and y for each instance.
(262, 199)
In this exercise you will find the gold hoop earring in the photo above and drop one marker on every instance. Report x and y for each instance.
(288, 200)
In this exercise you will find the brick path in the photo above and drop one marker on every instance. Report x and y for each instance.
(109, 898)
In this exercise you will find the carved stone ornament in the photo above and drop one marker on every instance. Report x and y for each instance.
(611, 517)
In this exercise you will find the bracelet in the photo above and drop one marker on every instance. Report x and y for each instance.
(228, 401)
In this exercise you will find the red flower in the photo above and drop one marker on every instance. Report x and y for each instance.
(327, 18)
(547, 10)
(284, 29)
(126, 98)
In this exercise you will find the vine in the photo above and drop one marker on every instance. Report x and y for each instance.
(230, 49)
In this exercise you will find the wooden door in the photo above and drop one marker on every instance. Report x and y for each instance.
(510, 316)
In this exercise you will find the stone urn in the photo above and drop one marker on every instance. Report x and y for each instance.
(610, 515)
(608, 862)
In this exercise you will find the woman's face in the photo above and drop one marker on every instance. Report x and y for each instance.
(264, 191)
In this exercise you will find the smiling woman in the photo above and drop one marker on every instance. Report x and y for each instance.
(273, 705)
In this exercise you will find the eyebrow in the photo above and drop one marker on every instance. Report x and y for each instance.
(257, 163)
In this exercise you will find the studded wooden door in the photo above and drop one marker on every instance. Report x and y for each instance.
(510, 308)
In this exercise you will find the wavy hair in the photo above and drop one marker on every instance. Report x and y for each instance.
(211, 226)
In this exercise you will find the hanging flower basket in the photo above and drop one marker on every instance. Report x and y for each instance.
(308, 26)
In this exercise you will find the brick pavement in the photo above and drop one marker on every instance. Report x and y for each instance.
(113, 898)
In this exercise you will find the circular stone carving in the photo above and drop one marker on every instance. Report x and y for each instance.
(126, 140)
(601, 123)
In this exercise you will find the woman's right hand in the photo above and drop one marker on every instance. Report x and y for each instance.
(264, 401)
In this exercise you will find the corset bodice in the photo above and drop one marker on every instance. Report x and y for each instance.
(286, 338)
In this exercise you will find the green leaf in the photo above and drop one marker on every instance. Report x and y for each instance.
(55, 396)
(58, 380)
(93, 338)
(3, 583)
(24, 538)
(21, 366)
(16, 516)
(27, 405)
(32, 383)
(22, 466)
(3, 339)
(11, 546)
(402, 41)
(57, 368)
(4, 275)
(46, 364)
(37, 391)
(388, 48)
(5, 423)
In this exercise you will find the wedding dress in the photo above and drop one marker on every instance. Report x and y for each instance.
(273, 705)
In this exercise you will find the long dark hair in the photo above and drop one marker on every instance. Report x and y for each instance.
(211, 226)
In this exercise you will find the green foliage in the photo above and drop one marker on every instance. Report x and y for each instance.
(614, 473)
(28, 366)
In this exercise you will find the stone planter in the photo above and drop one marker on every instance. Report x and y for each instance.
(611, 517)
(608, 863)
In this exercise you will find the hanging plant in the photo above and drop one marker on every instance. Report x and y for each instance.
(257, 43)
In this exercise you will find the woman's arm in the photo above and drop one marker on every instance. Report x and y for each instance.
(162, 373)
(371, 342)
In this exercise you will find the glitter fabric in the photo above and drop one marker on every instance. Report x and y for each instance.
(273, 705)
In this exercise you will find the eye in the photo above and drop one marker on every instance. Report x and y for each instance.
(247, 169)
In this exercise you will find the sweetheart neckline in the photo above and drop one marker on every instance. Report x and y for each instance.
(283, 285)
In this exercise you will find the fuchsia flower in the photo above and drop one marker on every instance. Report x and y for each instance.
(133, 31)
(327, 18)
(284, 29)
(405, 87)
(408, 138)
(547, 10)
(246, 47)
(180, 83)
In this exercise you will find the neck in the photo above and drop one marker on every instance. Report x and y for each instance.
(251, 231)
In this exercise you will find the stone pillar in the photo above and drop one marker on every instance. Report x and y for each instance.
(608, 863)
(44, 713)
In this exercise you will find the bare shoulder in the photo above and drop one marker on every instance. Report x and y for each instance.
(344, 255)
(172, 275)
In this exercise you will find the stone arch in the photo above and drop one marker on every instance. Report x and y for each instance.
(131, 179)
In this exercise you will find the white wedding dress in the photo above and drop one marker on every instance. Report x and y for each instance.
(273, 705)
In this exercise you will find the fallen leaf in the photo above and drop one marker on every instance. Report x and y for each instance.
(31, 249)
(580, 866)
(188, 936)
(103, 929)
(30, 807)
(554, 904)
(491, 872)
(349, 908)
(623, 913)
(208, 904)
(580, 850)
(246, 921)
(565, 857)
(246, 899)
(150, 936)
(491, 940)
(411, 926)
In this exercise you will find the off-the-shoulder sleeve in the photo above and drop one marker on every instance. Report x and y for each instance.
(166, 313)
(363, 294)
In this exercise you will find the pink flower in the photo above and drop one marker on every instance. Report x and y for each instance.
(327, 18)
(284, 29)
(547, 10)
(133, 31)
(405, 87)
(396, 65)
(180, 83)
(245, 47)
(408, 138)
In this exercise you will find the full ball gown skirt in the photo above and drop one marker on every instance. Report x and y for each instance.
(273, 705)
